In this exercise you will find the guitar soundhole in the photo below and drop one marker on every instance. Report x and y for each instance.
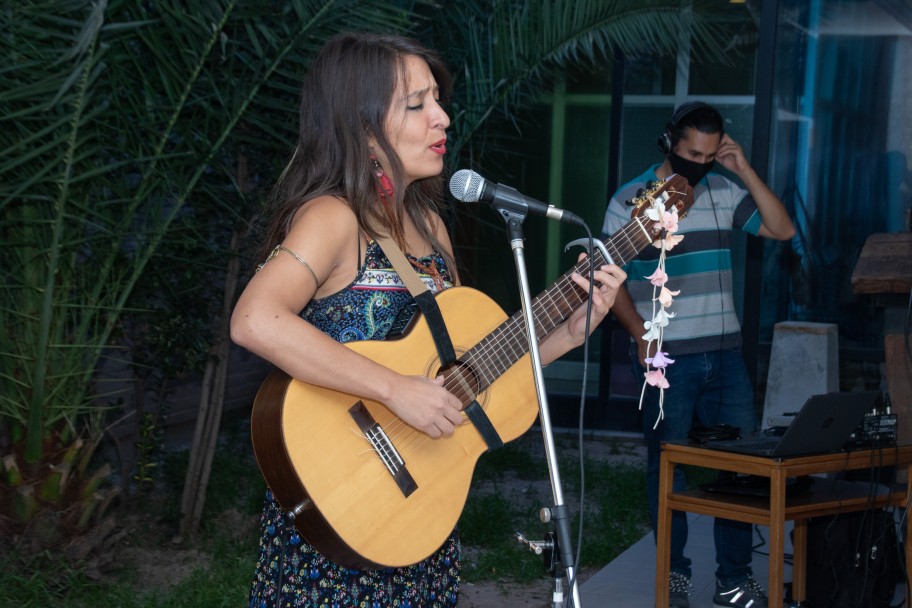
(462, 381)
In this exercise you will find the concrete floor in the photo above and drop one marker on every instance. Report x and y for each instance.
(629, 580)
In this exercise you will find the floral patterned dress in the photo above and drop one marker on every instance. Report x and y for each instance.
(365, 310)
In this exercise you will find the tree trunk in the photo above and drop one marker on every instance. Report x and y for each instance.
(212, 401)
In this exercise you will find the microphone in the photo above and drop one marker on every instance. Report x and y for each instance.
(469, 187)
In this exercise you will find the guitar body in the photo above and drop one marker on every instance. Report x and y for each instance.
(367, 490)
(320, 466)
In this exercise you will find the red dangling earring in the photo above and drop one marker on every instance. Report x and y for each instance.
(385, 192)
(386, 185)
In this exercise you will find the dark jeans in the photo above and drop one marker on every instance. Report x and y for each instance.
(704, 388)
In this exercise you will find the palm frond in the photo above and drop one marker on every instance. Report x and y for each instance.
(507, 50)
(113, 116)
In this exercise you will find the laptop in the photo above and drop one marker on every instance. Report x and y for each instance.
(823, 425)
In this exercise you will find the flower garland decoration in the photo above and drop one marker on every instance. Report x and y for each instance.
(662, 299)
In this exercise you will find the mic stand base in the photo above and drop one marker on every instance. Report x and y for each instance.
(548, 549)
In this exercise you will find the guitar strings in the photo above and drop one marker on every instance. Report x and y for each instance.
(512, 332)
(514, 329)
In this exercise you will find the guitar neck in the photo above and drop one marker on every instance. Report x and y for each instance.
(504, 346)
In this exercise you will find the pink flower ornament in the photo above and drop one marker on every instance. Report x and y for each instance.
(669, 242)
(658, 278)
(666, 297)
(656, 378)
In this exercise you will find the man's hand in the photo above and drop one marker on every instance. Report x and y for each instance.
(731, 156)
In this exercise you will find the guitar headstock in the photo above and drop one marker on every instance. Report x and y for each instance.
(672, 192)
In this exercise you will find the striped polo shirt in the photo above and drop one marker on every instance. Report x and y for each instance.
(700, 265)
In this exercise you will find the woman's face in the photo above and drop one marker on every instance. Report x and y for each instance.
(416, 123)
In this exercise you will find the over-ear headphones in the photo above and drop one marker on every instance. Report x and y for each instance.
(668, 139)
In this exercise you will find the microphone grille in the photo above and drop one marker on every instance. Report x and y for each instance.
(466, 186)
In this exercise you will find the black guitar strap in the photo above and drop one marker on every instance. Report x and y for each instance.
(437, 326)
(483, 425)
(431, 311)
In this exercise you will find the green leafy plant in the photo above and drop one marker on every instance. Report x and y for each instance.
(115, 118)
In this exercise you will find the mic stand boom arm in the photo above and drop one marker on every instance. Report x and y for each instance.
(559, 513)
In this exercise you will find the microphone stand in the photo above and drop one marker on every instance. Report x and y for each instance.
(559, 513)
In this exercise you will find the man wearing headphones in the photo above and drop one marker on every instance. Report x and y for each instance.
(707, 383)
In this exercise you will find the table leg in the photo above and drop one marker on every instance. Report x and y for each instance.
(663, 534)
(908, 539)
(777, 537)
(799, 560)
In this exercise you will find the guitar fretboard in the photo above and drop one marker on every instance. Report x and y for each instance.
(504, 346)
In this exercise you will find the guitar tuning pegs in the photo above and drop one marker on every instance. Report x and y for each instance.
(635, 200)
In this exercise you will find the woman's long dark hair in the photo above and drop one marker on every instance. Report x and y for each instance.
(344, 100)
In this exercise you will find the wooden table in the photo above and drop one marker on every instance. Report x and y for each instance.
(884, 265)
(825, 497)
(884, 273)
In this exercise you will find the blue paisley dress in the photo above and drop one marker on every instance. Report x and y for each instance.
(365, 310)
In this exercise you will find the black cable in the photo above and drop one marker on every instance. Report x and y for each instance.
(902, 557)
(827, 532)
(908, 343)
(582, 411)
(859, 538)
(900, 554)
(875, 531)
(787, 558)
(888, 522)
(712, 203)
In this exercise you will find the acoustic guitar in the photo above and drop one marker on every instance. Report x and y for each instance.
(369, 491)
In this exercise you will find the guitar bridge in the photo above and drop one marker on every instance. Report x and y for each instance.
(383, 448)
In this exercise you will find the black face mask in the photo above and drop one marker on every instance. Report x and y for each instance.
(689, 170)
